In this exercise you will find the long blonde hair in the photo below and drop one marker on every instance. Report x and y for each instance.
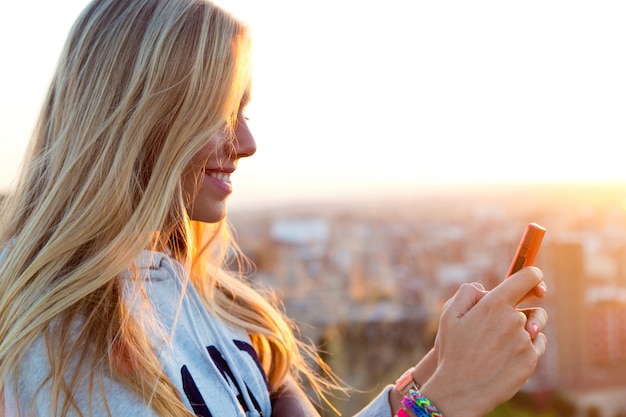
(140, 86)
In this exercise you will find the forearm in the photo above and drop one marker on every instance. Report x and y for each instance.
(432, 388)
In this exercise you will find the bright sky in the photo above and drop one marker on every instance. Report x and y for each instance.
(354, 95)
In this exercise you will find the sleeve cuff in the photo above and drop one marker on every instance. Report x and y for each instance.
(379, 406)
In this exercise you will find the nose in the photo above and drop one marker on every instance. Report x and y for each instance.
(245, 145)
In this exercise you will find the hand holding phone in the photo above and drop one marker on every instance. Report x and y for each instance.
(527, 248)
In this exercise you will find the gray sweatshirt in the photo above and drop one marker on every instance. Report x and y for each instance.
(213, 365)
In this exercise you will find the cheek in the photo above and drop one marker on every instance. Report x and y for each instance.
(212, 152)
(209, 155)
(192, 181)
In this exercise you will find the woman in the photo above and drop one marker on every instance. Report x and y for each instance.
(116, 296)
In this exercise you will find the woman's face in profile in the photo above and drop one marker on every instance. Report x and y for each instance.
(208, 182)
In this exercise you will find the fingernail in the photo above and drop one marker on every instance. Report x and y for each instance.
(535, 328)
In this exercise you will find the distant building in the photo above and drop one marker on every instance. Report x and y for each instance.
(571, 320)
(590, 323)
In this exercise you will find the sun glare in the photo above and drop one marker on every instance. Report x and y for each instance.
(397, 94)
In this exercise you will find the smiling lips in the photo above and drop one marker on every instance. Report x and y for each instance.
(221, 176)
(221, 179)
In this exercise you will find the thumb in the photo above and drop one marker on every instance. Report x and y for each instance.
(515, 288)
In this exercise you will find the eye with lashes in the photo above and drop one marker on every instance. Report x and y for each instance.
(243, 106)
(243, 112)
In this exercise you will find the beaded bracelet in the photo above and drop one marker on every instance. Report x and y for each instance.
(420, 405)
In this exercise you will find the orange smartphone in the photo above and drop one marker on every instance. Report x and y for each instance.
(527, 248)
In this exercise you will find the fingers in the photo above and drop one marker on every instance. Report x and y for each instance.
(539, 292)
(536, 322)
(478, 286)
(465, 298)
(540, 343)
(485, 341)
(515, 289)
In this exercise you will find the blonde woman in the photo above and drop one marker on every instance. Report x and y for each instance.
(115, 297)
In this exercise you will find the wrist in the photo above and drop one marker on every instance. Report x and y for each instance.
(420, 405)
(401, 388)
(413, 378)
(406, 382)
(463, 403)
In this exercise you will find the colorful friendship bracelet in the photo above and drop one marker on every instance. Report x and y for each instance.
(423, 404)
(402, 413)
(408, 402)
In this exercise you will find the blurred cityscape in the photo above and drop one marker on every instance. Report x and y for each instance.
(366, 281)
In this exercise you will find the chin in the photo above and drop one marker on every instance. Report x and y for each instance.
(212, 213)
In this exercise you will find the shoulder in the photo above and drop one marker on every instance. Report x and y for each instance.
(33, 389)
(155, 266)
